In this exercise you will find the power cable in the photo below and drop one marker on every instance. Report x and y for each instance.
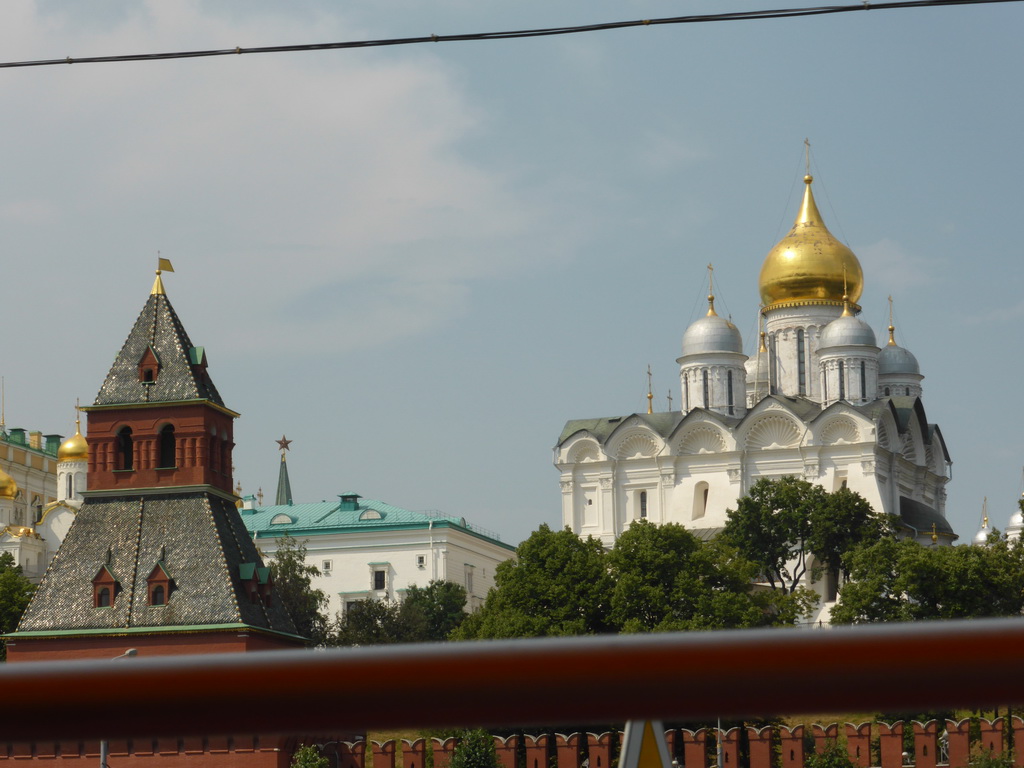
(865, 5)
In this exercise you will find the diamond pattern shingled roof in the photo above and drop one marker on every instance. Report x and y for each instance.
(182, 374)
(200, 539)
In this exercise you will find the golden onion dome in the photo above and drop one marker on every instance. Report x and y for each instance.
(8, 488)
(75, 448)
(809, 266)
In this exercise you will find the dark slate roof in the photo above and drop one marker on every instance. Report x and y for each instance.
(920, 517)
(182, 374)
(198, 537)
(662, 423)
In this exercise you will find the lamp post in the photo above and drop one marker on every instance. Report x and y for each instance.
(104, 746)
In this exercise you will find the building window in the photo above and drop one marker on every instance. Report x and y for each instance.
(125, 449)
(157, 596)
(801, 363)
(773, 368)
(642, 505)
(326, 566)
(69, 489)
(380, 579)
(842, 381)
(686, 391)
(421, 561)
(886, 391)
(729, 384)
(103, 598)
(863, 381)
(700, 500)
(706, 400)
(167, 444)
(469, 579)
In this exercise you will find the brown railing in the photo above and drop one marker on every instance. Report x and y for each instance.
(897, 667)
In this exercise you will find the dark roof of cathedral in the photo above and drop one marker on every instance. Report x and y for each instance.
(198, 538)
(921, 517)
(182, 373)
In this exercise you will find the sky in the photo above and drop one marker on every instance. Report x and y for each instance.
(419, 262)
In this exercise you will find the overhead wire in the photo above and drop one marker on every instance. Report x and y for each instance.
(864, 5)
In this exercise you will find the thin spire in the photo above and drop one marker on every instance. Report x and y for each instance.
(162, 265)
(78, 416)
(284, 485)
(670, 401)
(892, 328)
(846, 297)
(807, 156)
(711, 292)
(984, 512)
(650, 392)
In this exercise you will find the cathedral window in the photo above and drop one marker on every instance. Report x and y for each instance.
(686, 391)
(729, 384)
(69, 489)
(842, 381)
(773, 368)
(801, 363)
(863, 381)
(125, 450)
(167, 446)
(886, 391)
(700, 500)
(705, 388)
(643, 505)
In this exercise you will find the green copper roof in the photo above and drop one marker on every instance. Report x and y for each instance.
(328, 517)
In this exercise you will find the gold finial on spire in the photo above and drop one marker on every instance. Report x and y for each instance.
(984, 512)
(711, 292)
(650, 393)
(846, 297)
(935, 533)
(162, 265)
(807, 156)
(892, 328)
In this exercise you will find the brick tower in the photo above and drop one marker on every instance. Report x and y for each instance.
(158, 558)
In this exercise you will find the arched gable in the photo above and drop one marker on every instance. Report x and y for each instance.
(633, 438)
(582, 450)
(887, 430)
(699, 438)
(839, 430)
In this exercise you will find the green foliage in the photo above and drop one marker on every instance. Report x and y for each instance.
(427, 614)
(308, 756)
(906, 581)
(984, 758)
(655, 579)
(833, 755)
(556, 585)
(781, 523)
(475, 749)
(15, 593)
(439, 608)
(293, 586)
(666, 579)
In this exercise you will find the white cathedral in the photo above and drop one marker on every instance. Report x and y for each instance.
(819, 400)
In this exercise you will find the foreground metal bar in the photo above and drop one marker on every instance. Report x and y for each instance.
(524, 682)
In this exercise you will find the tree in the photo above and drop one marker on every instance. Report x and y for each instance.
(370, 622)
(15, 593)
(557, 584)
(441, 607)
(474, 749)
(667, 579)
(308, 756)
(293, 586)
(906, 581)
(781, 523)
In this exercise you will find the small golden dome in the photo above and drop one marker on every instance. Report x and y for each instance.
(809, 266)
(75, 448)
(8, 488)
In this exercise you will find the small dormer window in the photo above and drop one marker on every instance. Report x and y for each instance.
(149, 366)
(281, 519)
(159, 585)
(105, 588)
(371, 514)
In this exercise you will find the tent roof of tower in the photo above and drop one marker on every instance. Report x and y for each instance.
(181, 374)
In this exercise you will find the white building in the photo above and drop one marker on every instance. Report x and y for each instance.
(819, 400)
(365, 548)
(41, 484)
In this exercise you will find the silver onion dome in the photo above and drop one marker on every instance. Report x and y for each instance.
(845, 331)
(711, 334)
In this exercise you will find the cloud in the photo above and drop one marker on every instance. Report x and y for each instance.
(893, 269)
(280, 175)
